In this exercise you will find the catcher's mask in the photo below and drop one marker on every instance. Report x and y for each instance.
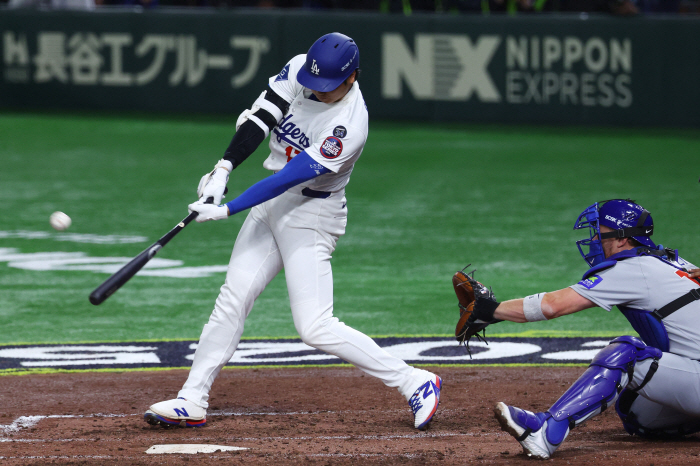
(627, 218)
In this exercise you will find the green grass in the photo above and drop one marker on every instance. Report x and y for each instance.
(424, 200)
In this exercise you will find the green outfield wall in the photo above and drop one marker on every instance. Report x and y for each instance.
(497, 69)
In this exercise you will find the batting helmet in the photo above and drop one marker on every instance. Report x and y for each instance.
(627, 219)
(329, 62)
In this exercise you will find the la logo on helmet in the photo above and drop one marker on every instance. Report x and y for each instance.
(314, 68)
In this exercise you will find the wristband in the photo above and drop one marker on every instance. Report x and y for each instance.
(225, 164)
(532, 307)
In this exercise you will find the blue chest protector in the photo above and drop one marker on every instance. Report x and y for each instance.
(644, 322)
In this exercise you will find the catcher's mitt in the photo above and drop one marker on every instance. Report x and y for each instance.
(476, 307)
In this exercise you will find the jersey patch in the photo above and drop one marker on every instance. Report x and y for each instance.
(331, 147)
(591, 282)
(340, 132)
(284, 74)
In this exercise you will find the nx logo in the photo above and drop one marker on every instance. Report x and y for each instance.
(314, 68)
(441, 67)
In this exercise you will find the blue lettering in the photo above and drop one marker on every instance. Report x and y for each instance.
(284, 74)
(181, 412)
(291, 134)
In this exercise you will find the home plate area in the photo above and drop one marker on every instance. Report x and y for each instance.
(190, 449)
(303, 415)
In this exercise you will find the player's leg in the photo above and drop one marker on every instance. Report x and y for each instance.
(668, 405)
(306, 254)
(255, 261)
(541, 434)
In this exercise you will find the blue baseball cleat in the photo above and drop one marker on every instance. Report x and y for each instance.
(179, 412)
(424, 402)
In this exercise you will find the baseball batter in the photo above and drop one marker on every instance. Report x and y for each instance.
(654, 380)
(316, 118)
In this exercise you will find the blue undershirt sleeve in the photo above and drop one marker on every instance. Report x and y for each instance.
(298, 170)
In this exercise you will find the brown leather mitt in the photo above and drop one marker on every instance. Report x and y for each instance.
(477, 305)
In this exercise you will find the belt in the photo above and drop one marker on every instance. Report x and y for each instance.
(308, 192)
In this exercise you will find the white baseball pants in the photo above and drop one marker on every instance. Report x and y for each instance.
(297, 233)
(671, 399)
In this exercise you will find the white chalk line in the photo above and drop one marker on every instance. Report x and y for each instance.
(30, 421)
(261, 439)
(125, 458)
(367, 437)
(62, 457)
(90, 457)
(214, 457)
(362, 455)
(25, 422)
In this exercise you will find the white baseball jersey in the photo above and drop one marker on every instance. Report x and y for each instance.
(332, 134)
(647, 283)
(298, 233)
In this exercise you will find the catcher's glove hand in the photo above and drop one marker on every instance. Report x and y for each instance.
(476, 307)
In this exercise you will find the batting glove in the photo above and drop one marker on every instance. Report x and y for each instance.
(208, 211)
(213, 184)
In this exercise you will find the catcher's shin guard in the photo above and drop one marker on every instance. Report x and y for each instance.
(597, 388)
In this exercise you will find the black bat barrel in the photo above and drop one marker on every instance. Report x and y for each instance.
(123, 275)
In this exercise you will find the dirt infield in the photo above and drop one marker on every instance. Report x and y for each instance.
(312, 416)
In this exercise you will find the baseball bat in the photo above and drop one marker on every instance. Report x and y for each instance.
(123, 275)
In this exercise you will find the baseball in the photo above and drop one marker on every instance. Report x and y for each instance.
(60, 221)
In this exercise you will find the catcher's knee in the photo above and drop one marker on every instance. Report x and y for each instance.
(623, 407)
(623, 353)
(633, 427)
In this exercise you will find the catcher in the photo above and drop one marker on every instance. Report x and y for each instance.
(654, 380)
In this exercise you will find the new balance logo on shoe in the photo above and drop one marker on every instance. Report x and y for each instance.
(424, 402)
(414, 403)
(181, 412)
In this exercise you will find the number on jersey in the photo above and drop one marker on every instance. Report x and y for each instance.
(289, 150)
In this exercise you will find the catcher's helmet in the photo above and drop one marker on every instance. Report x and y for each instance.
(627, 219)
(329, 62)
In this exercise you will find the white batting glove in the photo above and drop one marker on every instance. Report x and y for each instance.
(208, 211)
(214, 184)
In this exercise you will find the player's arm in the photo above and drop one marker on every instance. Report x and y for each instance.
(543, 306)
(298, 170)
(252, 127)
